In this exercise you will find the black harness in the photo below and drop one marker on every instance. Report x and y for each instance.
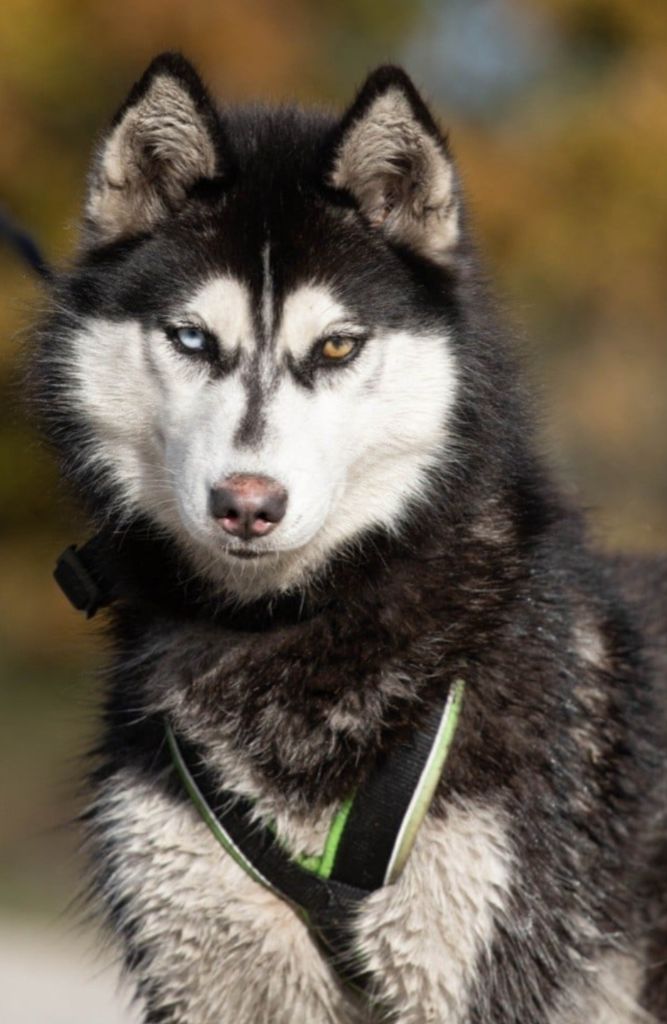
(371, 834)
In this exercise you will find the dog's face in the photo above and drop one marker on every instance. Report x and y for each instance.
(257, 347)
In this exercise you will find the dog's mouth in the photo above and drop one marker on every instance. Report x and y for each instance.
(246, 553)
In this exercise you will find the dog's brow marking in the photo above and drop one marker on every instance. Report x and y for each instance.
(267, 293)
(223, 304)
(307, 313)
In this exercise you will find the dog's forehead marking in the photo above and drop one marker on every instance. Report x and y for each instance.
(259, 377)
(267, 293)
(224, 306)
(308, 312)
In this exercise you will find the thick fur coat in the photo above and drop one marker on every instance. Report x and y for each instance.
(424, 541)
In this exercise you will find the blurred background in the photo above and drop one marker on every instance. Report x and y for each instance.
(557, 111)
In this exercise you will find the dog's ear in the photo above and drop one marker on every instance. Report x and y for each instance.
(389, 154)
(166, 137)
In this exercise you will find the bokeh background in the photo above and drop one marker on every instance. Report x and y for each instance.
(557, 111)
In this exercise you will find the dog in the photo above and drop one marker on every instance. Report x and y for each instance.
(276, 379)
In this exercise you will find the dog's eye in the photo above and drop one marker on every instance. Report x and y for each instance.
(337, 349)
(192, 340)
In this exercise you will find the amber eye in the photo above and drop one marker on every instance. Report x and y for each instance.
(338, 348)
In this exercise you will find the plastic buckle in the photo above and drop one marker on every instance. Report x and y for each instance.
(77, 582)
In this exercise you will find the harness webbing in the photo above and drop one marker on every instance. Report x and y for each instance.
(368, 843)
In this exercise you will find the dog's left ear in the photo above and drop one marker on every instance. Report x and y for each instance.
(166, 137)
(389, 154)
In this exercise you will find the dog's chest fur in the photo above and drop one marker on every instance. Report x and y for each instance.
(227, 950)
(219, 948)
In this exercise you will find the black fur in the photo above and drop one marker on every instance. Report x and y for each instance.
(490, 579)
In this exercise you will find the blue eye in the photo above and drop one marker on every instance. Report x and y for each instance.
(192, 339)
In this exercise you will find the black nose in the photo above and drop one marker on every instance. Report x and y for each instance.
(248, 506)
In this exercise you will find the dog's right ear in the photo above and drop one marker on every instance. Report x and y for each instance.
(166, 137)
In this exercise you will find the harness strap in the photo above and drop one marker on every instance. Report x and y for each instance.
(325, 905)
(367, 846)
(388, 810)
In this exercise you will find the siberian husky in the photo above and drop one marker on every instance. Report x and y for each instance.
(276, 379)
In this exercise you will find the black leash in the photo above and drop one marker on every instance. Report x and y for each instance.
(24, 245)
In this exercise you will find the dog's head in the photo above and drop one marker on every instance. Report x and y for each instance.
(253, 346)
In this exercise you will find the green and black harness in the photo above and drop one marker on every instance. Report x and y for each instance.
(370, 836)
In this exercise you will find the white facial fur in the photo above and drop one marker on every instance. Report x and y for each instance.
(352, 452)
